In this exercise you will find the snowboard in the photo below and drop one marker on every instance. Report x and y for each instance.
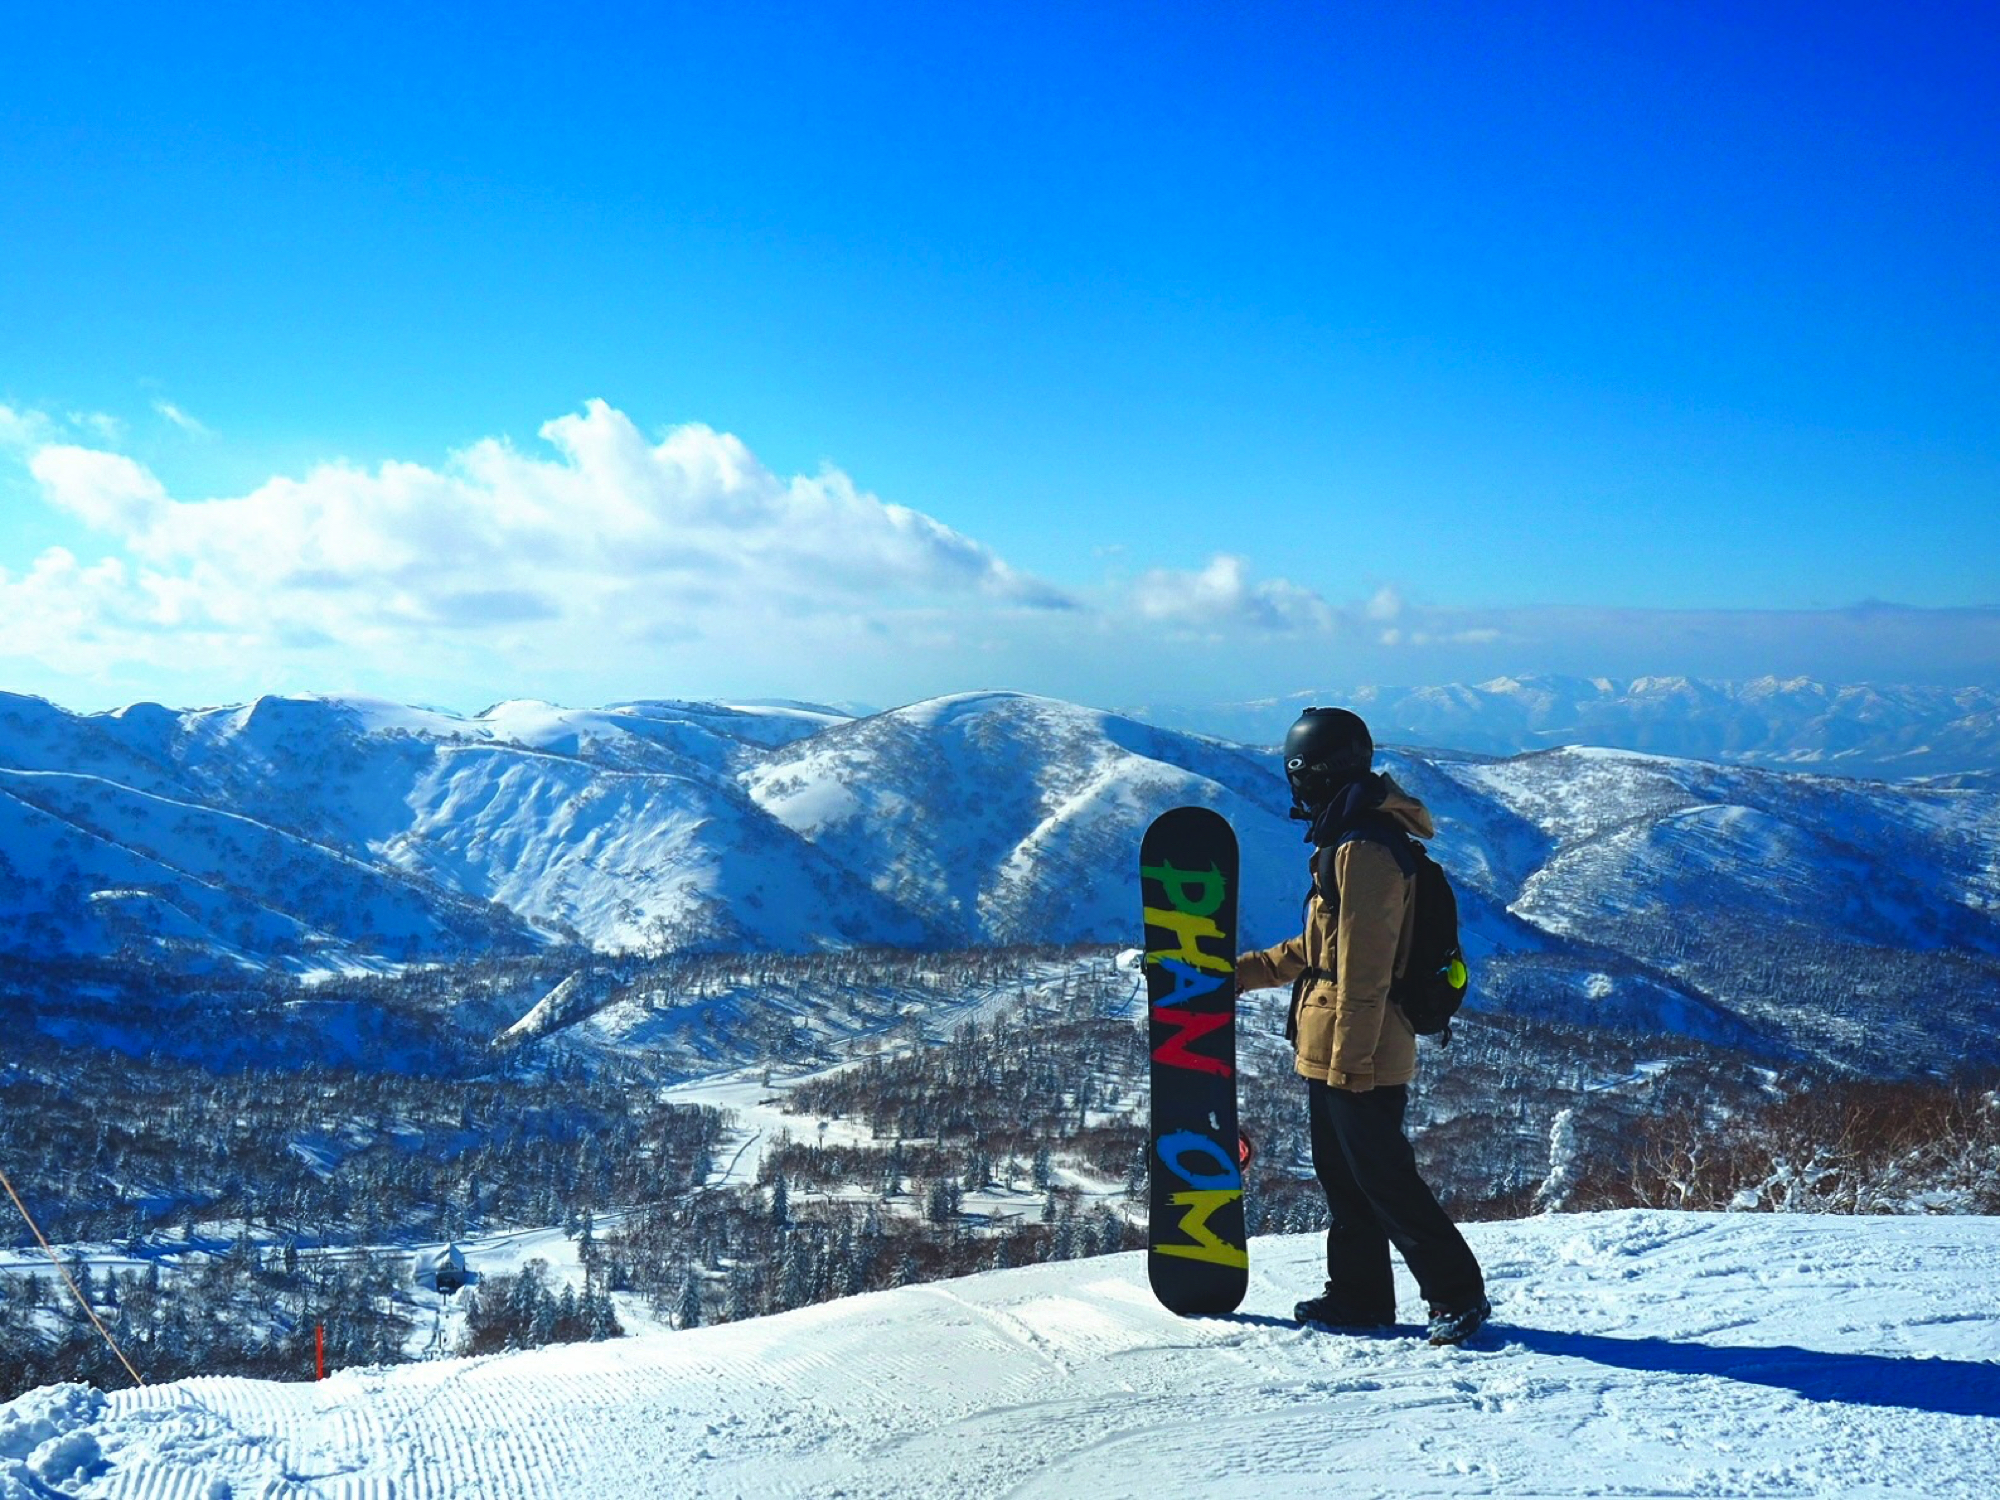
(1197, 1255)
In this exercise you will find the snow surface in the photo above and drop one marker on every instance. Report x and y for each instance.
(758, 1118)
(1640, 1353)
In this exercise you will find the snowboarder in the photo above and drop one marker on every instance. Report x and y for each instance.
(1353, 1046)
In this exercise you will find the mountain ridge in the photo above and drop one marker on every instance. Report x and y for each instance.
(1878, 731)
(1763, 908)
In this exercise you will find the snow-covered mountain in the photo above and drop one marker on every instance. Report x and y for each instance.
(1006, 818)
(984, 818)
(1635, 1353)
(1791, 914)
(1784, 723)
(319, 831)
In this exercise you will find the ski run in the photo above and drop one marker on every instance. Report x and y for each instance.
(1635, 1353)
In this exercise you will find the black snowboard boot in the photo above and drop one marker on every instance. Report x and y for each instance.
(1449, 1327)
(1331, 1311)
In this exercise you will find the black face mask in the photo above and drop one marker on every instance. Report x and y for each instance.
(1350, 801)
(1313, 792)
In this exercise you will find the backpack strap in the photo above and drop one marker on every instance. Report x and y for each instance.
(1390, 834)
(1376, 830)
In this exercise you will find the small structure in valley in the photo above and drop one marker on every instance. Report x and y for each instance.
(442, 1269)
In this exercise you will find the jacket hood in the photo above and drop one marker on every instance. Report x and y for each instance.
(1407, 810)
(1372, 795)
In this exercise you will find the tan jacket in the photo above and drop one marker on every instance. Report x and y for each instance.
(1349, 1033)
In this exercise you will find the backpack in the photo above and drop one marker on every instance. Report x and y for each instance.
(1432, 986)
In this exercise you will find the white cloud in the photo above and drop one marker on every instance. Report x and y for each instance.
(1223, 597)
(181, 419)
(24, 430)
(610, 563)
(1387, 604)
(106, 491)
(100, 425)
(694, 518)
(609, 546)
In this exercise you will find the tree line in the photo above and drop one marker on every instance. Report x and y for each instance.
(1015, 1138)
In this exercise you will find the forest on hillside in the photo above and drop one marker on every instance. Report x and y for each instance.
(242, 1197)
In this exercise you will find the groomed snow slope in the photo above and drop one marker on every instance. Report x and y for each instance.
(1642, 1354)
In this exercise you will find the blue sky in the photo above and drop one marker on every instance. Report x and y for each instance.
(1130, 353)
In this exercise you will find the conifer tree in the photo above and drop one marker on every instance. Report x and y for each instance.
(689, 1315)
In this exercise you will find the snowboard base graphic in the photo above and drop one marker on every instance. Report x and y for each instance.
(1197, 1256)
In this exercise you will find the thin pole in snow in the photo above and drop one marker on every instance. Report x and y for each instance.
(81, 1300)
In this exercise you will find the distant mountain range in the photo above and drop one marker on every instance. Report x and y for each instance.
(1789, 914)
(1789, 724)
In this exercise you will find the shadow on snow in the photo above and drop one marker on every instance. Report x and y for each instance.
(1952, 1387)
(1949, 1387)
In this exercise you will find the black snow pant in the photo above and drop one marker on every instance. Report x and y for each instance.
(1365, 1163)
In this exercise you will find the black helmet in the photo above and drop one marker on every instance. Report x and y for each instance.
(1324, 750)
